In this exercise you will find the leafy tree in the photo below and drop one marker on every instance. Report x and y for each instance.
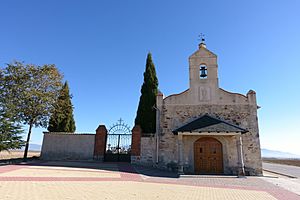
(10, 133)
(146, 115)
(62, 119)
(30, 92)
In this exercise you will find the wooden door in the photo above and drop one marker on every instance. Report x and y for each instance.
(208, 156)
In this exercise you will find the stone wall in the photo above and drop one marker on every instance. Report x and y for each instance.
(245, 116)
(148, 151)
(68, 146)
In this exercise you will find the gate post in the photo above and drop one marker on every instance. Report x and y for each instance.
(136, 144)
(100, 143)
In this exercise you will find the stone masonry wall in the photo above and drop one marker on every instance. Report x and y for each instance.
(245, 116)
(147, 156)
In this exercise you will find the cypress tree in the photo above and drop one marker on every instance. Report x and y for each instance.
(146, 114)
(62, 119)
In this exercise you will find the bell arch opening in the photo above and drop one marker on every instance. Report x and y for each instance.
(203, 71)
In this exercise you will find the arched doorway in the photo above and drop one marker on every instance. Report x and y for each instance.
(118, 143)
(208, 156)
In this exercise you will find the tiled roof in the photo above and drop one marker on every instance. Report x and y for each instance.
(208, 123)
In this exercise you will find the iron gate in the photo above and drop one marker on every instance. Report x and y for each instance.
(118, 143)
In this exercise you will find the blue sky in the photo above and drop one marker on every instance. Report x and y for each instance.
(101, 48)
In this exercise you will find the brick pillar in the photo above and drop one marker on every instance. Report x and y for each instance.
(100, 143)
(136, 144)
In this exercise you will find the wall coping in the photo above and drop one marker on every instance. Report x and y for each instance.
(65, 133)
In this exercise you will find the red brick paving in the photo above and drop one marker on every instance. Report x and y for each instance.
(9, 168)
(128, 173)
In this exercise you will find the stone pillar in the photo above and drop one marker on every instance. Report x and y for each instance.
(136, 144)
(100, 143)
(180, 154)
(241, 171)
(251, 95)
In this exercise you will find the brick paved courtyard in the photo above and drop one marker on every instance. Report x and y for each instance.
(91, 180)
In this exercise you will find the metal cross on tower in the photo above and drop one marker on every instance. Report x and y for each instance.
(201, 37)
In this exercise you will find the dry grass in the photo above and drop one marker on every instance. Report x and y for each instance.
(4, 155)
(294, 162)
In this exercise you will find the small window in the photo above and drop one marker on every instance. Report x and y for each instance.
(200, 150)
(203, 71)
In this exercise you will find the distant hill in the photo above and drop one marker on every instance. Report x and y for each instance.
(266, 153)
(34, 147)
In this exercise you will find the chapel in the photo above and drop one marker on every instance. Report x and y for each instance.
(204, 129)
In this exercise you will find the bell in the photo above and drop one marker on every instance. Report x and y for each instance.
(203, 72)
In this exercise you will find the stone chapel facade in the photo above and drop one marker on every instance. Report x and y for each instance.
(205, 129)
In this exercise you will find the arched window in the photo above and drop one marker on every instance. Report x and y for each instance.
(203, 71)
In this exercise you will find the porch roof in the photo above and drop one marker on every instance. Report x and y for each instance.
(207, 123)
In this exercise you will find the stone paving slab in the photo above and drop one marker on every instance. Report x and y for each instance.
(121, 190)
(27, 172)
(79, 180)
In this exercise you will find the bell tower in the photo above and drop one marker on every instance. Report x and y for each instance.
(203, 72)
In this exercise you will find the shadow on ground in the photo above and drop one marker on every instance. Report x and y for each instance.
(108, 166)
(14, 161)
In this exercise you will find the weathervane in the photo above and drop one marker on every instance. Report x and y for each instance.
(201, 37)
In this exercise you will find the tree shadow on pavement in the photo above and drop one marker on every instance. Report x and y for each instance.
(107, 166)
